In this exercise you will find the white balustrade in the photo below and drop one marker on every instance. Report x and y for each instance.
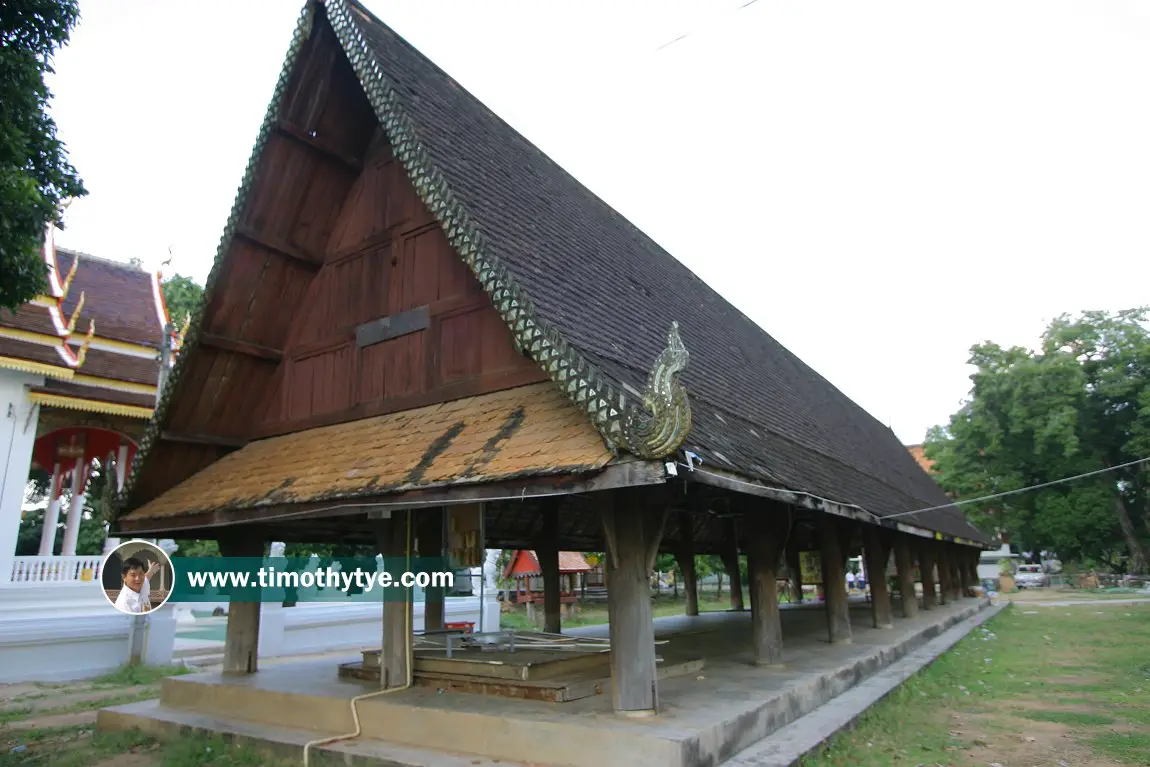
(56, 569)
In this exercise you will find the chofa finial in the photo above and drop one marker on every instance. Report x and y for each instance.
(663, 430)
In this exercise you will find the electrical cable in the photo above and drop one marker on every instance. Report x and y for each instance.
(410, 652)
(1021, 489)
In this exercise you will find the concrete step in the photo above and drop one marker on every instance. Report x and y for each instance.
(787, 746)
(152, 717)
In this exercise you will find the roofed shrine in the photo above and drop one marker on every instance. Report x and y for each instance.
(416, 316)
(81, 366)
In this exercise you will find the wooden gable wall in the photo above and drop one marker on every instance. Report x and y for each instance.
(333, 236)
(388, 258)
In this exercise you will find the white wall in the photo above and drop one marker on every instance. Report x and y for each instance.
(17, 436)
(60, 648)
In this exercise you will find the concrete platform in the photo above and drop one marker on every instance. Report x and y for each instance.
(706, 719)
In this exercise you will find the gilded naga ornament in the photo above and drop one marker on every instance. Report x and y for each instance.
(662, 430)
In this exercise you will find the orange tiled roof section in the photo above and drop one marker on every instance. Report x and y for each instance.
(919, 456)
(529, 430)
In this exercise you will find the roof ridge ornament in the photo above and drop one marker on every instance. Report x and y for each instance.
(68, 280)
(71, 327)
(83, 353)
(664, 429)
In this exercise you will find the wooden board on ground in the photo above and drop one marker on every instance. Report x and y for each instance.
(576, 685)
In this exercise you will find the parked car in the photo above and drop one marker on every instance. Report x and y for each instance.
(1031, 577)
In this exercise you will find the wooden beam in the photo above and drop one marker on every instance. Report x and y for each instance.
(241, 347)
(289, 252)
(631, 474)
(202, 439)
(319, 145)
(745, 486)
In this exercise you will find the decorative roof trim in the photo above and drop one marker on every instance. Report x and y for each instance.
(60, 344)
(88, 405)
(239, 206)
(130, 387)
(622, 425)
(36, 368)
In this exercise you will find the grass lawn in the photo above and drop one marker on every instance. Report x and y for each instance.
(1034, 686)
(53, 725)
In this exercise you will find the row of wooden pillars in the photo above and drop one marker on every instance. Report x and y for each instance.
(633, 535)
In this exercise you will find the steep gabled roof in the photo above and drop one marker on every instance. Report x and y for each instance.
(590, 298)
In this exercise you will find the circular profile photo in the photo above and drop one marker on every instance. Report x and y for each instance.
(137, 577)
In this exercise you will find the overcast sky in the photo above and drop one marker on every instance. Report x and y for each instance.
(879, 185)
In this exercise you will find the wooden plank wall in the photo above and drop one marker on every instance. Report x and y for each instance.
(387, 255)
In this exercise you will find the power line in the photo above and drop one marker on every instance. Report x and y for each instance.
(718, 17)
(1019, 490)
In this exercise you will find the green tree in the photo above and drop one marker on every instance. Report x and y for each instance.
(36, 178)
(182, 295)
(1081, 403)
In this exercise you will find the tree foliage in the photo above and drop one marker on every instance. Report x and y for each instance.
(182, 296)
(36, 178)
(1080, 403)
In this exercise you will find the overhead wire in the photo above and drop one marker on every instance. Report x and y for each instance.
(1021, 489)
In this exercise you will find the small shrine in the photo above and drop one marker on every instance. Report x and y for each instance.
(525, 570)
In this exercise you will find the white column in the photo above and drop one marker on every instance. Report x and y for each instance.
(121, 467)
(76, 510)
(51, 514)
(18, 418)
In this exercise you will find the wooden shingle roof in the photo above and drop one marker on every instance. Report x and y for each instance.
(611, 291)
(590, 298)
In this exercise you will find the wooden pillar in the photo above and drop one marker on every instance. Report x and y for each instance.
(876, 549)
(926, 564)
(685, 556)
(431, 526)
(956, 571)
(242, 635)
(764, 541)
(392, 540)
(967, 571)
(633, 530)
(831, 551)
(547, 551)
(731, 565)
(904, 563)
(975, 558)
(945, 594)
(795, 567)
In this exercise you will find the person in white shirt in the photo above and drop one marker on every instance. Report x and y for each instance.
(850, 580)
(135, 596)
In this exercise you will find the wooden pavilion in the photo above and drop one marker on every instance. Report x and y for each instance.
(413, 308)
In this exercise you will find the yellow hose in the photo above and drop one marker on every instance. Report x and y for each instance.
(410, 664)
